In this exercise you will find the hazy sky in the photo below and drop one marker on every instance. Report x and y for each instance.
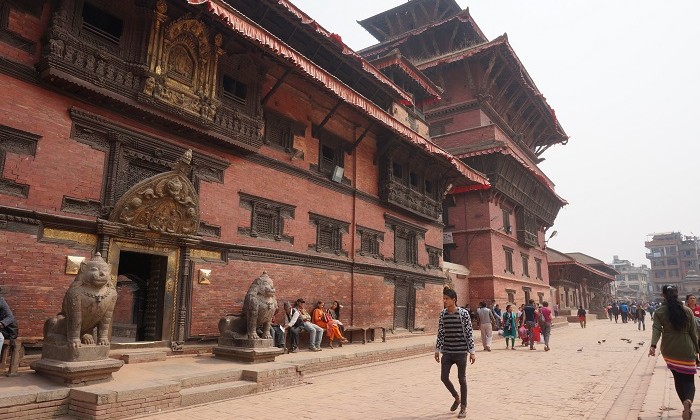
(622, 77)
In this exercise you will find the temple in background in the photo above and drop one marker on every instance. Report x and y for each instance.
(491, 116)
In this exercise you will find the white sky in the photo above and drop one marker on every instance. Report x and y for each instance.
(622, 78)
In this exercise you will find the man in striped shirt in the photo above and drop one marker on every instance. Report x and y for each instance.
(455, 339)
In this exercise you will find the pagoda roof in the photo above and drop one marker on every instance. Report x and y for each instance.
(460, 18)
(259, 36)
(424, 90)
(501, 46)
(557, 258)
(495, 146)
(407, 16)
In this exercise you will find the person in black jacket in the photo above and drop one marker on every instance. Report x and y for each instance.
(6, 319)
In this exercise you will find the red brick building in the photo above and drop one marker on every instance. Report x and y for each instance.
(492, 117)
(307, 163)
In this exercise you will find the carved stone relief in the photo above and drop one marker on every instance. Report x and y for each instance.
(165, 203)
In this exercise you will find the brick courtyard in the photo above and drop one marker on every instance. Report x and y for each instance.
(610, 380)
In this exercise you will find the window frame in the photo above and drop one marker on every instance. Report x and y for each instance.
(260, 206)
(336, 229)
(508, 252)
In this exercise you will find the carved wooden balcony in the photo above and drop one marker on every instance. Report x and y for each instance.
(395, 193)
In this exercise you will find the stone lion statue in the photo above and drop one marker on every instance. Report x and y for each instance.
(88, 303)
(259, 307)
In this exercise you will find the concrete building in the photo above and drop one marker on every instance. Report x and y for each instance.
(632, 284)
(674, 260)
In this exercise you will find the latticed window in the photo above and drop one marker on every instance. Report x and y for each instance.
(329, 234)
(266, 218)
(266, 223)
(509, 259)
(406, 247)
(369, 241)
(278, 131)
(526, 265)
(405, 239)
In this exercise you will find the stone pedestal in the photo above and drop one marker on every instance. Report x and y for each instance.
(247, 350)
(85, 365)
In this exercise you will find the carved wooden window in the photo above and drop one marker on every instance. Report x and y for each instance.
(506, 221)
(508, 253)
(369, 241)
(433, 256)
(511, 295)
(538, 267)
(527, 227)
(101, 24)
(266, 218)
(398, 173)
(526, 264)
(329, 234)
(235, 90)
(414, 181)
(280, 131)
(406, 237)
(331, 153)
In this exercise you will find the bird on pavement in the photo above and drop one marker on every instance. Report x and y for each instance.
(603, 341)
(581, 349)
(598, 341)
(641, 343)
(636, 347)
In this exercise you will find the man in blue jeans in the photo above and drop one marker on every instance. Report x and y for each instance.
(315, 332)
(455, 338)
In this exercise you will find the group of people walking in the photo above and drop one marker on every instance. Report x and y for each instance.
(635, 312)
(530, 322)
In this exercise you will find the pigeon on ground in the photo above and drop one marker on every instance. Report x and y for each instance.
(603, 341)
(581, 349)
(598, 341)
(641, 343)
(636, 347)
(624, 339)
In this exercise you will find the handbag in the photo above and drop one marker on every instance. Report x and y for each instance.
(11, 331)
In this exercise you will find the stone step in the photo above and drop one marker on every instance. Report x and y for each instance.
(141, 356)
(216, 392)
(209, 378)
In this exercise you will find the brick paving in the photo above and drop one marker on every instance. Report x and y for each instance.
(577, 379)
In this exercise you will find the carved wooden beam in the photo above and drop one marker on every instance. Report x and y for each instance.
(359, 139)
(487, 73)
(330, 114)
(527, 121)
(276, 86)
(505, 87)
(495, 77)
(470, 76)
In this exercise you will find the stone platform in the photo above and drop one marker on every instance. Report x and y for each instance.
(181, 381)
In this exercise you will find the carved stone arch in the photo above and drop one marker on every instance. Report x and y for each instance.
(166, 203)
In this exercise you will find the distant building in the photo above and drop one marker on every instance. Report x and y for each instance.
(674, 260)
(579, 280)
(633, 282)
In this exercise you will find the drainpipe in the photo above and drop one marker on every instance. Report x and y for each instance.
(353, 229)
